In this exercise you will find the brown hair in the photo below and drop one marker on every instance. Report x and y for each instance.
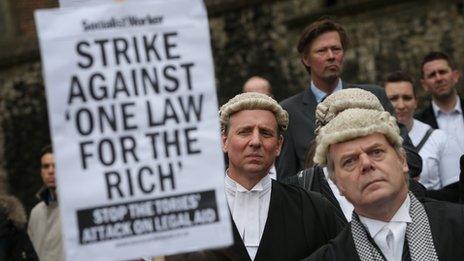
(47, 149)
(400, 76)
(432, 56)
(319, 27)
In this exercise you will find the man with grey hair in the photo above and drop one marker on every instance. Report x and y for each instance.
(272, 221)
(362, 149)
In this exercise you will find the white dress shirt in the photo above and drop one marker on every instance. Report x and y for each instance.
(249, 210)
(346, 206)
(273, 172)
(389, 236)
(440, 156)
(451, 122)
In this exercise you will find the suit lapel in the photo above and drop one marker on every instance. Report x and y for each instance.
(309, 104)
(430, 116)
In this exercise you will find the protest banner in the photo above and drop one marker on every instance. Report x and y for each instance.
(133, 117)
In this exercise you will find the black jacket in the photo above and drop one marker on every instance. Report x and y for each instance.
(14, 241)
(298, 223)
(446, 223)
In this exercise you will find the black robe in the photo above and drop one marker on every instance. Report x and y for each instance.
(446, 223)
(298, 223)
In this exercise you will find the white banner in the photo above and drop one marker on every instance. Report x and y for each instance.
(133, 116)
(80, 3)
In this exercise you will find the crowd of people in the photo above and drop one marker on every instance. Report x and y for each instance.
(339, 171)
(389, 175)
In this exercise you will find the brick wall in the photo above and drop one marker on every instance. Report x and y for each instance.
(24, 13)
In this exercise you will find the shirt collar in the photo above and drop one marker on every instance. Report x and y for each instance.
(437, 110)
(320, 95)
(402, 215)
(232, 186)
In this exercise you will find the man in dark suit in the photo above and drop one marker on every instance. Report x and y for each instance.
(439, 77)
(321, 46)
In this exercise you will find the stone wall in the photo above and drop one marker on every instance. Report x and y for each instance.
(255, 40)
(23, 129)
(385, 43)
(385, 36)
(248, 37)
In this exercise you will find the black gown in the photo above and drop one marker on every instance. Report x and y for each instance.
(298, 223)
(446, 223)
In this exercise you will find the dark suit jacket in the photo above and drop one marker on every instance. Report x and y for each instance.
(300, 132)
(445, 223)
(428, 116)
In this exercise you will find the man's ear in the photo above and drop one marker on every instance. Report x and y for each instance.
(305, 61)
(224, 142)
(405, 167)
(456, 75)
(404, 162)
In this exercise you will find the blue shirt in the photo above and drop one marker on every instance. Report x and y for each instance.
(320, 95)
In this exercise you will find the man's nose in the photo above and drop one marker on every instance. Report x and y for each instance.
(330, 54)
(255, 139)
(439, 77)
(366, 163)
